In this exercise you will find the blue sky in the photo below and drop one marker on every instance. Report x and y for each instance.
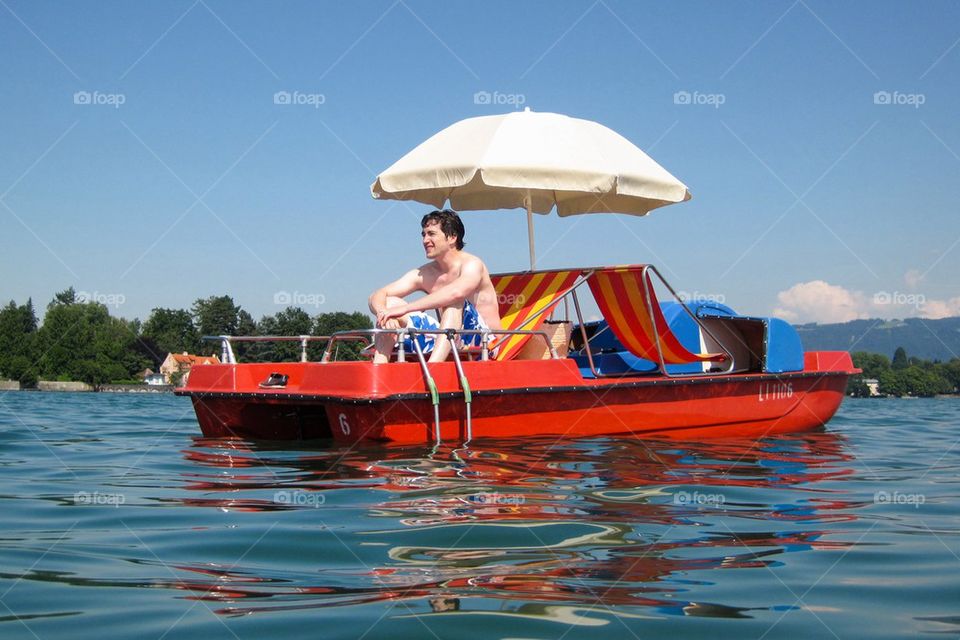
(145, 162)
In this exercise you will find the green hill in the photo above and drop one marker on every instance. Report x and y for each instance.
(927, 339)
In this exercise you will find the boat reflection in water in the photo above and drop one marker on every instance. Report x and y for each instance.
(574, 532)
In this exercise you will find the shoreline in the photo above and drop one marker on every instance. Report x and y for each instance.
(82, 387)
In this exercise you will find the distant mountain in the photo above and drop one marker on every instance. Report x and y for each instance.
(927, 339)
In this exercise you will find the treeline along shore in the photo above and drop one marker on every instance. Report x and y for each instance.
(903, 376)
(80, 341)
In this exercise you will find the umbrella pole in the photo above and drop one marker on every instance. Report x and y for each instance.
(533, 252)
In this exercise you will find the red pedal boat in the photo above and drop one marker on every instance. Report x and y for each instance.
(648, 369)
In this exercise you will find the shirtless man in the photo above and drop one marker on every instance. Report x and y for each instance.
(456, 283)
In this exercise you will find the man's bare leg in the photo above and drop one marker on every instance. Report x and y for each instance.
(383, 344)
(451, 318)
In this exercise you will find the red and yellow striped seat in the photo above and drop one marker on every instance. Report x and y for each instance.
(526, 300)
(629, 304)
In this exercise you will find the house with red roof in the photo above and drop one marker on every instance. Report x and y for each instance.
(181, 363)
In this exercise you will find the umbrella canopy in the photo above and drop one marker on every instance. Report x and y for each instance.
(532, 160)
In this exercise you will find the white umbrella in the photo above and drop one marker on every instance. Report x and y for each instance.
(535, 161)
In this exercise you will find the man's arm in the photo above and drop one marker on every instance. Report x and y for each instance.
(408, 283)
(469, 280)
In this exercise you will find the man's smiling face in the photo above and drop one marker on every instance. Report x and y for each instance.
(435, 243)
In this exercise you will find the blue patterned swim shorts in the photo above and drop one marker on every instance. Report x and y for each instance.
(472, 321)
(426, 321)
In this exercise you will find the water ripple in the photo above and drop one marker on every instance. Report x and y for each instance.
(115, 504)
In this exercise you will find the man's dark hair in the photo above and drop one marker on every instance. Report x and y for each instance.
(449, 222)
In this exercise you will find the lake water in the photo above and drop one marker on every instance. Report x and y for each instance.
(120, 520)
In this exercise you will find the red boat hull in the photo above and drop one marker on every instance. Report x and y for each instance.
(353, 401)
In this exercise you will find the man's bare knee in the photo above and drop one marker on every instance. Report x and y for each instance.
(383, 343)
(451, 318)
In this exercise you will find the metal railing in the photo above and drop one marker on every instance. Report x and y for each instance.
(226, 344)
(403, 333)
(369, 335)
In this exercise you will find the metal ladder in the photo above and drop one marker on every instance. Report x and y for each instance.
(432, 385)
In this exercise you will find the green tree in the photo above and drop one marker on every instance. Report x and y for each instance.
(67, 336)
(292, 321)
(67, 296)
(873, 364)
(922, 382)
(857, 388)
(18, 328)
(913, 381)
(329, 323)
(22, 369)
(892, 384)
(264, 351)
(81, 341)
(246, 326)
(900, 360)
(951, 373)
(219, 316)
(216, 316)
(123, 337)
(169, 331)
(907, 376)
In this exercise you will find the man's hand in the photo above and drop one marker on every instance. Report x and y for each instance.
(386, 318)
(392, 324)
